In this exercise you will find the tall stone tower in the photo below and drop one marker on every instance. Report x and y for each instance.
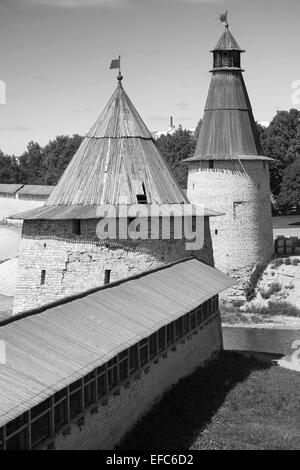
(117, 164)
(228, 172)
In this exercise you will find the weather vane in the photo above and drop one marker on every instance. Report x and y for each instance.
(224, 18)
(116, 64)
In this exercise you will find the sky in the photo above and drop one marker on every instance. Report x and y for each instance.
(55, 57)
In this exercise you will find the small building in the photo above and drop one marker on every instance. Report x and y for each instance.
(228, 172)
(80, 372)
(21, 197)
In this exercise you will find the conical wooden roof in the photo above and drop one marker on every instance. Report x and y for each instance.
(117, 161)
(228, 129)
(227, 42)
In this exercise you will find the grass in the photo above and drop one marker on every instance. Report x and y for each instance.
(235, 402)
(276, 308)
(272, 289)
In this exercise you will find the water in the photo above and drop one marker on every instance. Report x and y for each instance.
(267, 340)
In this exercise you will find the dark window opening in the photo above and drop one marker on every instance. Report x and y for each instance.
(161, 339)
(142, 198)
(75, 403)
(199, 315)
(123, 365)
(76, 227)
(193, 320)
(43, 277)
(12, 426)
(60, 415)
(134, 358)
(102, 381)
(216, 232)
(153, 345)
(112, 373)
(107, 276)
(19, 441)
(170, 334)
(143, 351)
(40, 429)
(205, 311)
(210, 164)
(89, 389)
(179, 328)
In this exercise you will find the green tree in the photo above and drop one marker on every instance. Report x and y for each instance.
(30, 164)
(289, 196)
(9, 170)
(56, 157)
(281, 141)
(175, 148)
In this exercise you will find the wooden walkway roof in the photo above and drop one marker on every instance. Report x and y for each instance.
(52, 347)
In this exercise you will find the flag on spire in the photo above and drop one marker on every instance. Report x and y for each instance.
(115, 63)
(223, 17)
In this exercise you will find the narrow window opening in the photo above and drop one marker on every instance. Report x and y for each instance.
(45, 246)
(142, 198)
(43, 277)
(216, 232)
(76, 227)
(210, 164)
(107, 276)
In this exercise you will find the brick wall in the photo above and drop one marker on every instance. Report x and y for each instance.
(106, 429)
(76, 263)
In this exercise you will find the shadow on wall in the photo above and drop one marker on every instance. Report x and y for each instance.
(190, 405)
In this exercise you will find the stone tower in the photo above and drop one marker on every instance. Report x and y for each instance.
(117, 164)
(228, 172)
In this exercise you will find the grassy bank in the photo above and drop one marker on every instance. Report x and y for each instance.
(233, 403)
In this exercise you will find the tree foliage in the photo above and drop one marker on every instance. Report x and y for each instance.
(175, 148)
(8, 169)
(281, 141)
(289, 196)
(40, 165)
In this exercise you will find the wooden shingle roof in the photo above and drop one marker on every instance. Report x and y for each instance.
(228, 130)
(117, 160)
(55, 345)
(227, 43)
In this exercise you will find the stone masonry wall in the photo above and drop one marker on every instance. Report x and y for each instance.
(74, 264)
(106, 429)
(242, 237)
